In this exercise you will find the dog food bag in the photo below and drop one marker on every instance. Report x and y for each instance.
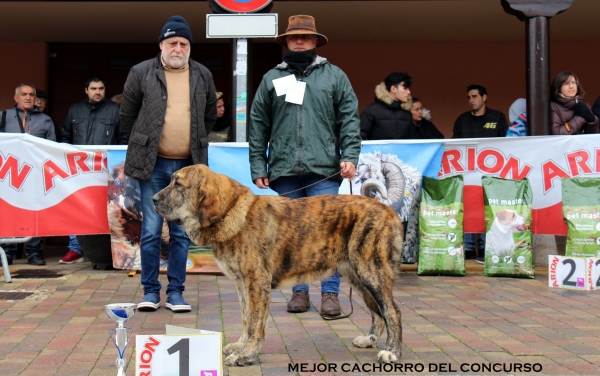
(441, 227)
(507, 206)
(581, 211)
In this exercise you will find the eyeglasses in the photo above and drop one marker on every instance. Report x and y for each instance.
(574, 83)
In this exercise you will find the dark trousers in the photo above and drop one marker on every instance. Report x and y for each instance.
(32, 247)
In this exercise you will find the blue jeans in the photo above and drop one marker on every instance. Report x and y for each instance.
(152, 224)
(471, 244)
(328, 187)
(74, 245)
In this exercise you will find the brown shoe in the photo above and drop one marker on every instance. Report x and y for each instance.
(330, 304)
(299, 303)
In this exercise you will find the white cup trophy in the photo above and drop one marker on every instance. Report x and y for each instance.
(120, 313)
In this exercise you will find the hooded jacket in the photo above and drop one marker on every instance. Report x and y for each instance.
(93, 124)
(386, 118)
(562, 112)
(143, 112)
(36, 123)
(308, 139)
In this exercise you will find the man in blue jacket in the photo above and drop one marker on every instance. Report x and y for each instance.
(310, 137)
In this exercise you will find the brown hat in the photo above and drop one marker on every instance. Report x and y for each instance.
(301, 25)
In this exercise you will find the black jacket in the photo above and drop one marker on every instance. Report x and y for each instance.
(93, 124)
(386, 119)
(426, 130)
(596, 108)
(491, 124)
(143, 113)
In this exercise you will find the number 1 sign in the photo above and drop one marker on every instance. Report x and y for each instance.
(178, 355)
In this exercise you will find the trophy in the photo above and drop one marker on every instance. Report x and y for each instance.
(120, 313)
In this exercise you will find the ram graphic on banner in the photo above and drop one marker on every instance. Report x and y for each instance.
(542, 159)
(125, 220)
(391, 172)
(50, 189)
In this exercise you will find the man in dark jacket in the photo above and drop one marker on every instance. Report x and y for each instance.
(24, 117)
(481, 121)
(93, 121)
(310, 138)
(169, 106)
(389, 117)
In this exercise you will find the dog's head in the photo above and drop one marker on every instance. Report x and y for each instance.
(196, 192)
(511, 220)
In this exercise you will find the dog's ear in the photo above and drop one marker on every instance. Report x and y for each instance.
(208, 200)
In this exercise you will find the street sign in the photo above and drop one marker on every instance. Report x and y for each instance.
(243, 6)
(259, 25)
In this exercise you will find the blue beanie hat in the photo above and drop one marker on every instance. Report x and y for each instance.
(176, 26)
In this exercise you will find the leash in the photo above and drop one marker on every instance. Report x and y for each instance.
(325, 316)
(315, 183)
(331, 318)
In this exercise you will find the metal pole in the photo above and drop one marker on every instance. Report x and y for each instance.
(240, 88)
(538, 75)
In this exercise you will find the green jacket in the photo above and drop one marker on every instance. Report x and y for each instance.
(308, 139)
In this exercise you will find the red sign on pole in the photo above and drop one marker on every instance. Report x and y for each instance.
(243, 6)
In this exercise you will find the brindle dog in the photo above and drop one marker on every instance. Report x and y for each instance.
(262, 242)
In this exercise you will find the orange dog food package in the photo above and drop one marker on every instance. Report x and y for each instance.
(508, 248)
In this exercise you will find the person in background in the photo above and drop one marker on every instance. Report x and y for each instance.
(92, 121)
(25, 117)
(297, 133)
(389, 117)
(221, 130)
(481, 121)
(169, 107)
(517, 116)
(117, 99)
(424, 128)
(570, 115)
(596, 108)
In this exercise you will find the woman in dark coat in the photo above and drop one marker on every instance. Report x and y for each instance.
(570, 115)
(424, 128)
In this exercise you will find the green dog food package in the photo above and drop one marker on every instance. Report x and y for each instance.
(507, 207)
(581, 211)
(441, 227)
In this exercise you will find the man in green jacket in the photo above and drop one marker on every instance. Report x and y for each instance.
(306, 113)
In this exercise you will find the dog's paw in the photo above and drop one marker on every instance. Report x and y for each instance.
(239, 360)
(232, 348)
(365, 341)
(386, 356)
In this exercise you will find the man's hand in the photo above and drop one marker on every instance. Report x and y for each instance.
(262, 183)
(348, 170)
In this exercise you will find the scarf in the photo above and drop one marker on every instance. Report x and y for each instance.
(300, 60)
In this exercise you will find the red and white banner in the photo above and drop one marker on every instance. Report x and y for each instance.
(48, 188)
(544, 160)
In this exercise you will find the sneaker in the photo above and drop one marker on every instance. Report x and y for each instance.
(71, 257)
(330, 304)
(176, 303)
(299, 303)
(36, 260)
(480, 260)
(150, 303)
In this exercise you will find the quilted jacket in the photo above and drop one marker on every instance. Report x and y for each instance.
(143, 113)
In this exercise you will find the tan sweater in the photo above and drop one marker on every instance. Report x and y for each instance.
(175, 139)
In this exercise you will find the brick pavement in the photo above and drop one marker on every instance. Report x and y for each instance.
(471, 320)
